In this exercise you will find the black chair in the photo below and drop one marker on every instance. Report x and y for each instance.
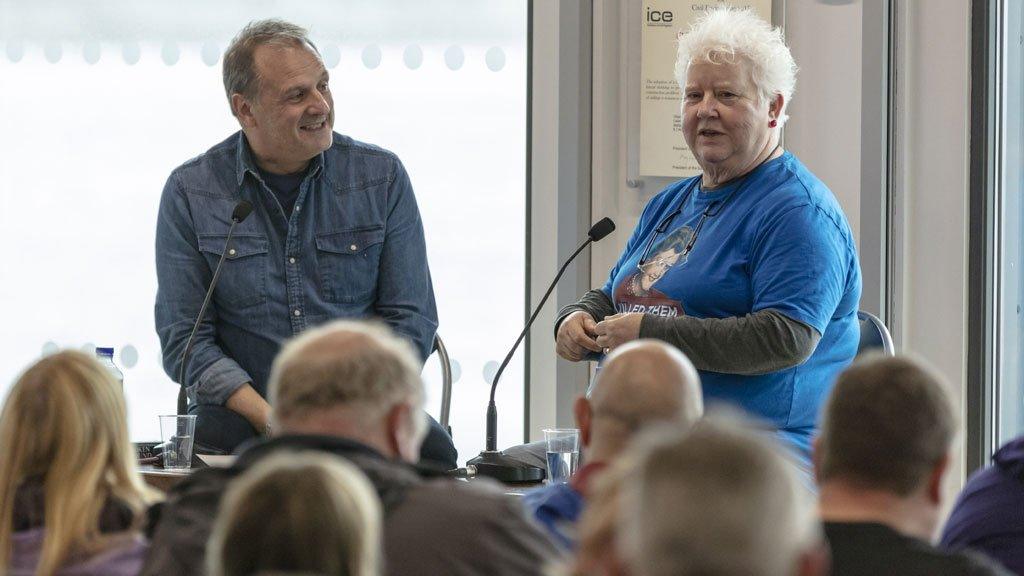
(874, 336)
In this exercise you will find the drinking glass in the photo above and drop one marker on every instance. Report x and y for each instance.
(563, 447)
(177, 433)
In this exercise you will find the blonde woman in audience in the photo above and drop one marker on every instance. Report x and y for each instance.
(71, 498)
(298, 513)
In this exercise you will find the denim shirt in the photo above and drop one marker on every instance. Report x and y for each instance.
(353, 248)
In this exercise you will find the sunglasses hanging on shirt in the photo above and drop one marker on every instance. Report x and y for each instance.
(713, 209)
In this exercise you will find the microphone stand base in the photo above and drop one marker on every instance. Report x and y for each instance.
(504, 469)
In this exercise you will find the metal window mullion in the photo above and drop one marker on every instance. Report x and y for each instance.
(982, 329)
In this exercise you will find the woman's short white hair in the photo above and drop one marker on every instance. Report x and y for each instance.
(727, 35)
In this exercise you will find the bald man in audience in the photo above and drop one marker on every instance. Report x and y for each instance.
(641, 383)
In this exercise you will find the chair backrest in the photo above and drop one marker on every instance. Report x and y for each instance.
(874, 335)
(446, 381)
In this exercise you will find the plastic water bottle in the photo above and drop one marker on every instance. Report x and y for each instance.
(106, 357)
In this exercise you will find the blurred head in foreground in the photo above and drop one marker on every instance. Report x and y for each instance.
(717, 499)
(303, 513)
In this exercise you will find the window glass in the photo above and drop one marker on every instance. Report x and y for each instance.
(102, 99)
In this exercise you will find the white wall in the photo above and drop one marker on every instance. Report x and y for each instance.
(825, 114)
(936, 121)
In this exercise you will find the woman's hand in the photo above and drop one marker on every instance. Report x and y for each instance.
(576, 336)
(616, 330)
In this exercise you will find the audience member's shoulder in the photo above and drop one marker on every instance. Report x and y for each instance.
(505, 541)
(210, 481)
(866, 548)
(976, 564)
(479, 507)
(477, 494)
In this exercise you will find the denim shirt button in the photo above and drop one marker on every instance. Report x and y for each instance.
(353, 248)
(298, 312)
(291, 260)
(231, 252)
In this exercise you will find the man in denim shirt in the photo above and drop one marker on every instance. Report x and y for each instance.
(335, 233)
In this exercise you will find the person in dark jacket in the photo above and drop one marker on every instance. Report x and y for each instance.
(989, 515)
(353, 389)
(886, 435)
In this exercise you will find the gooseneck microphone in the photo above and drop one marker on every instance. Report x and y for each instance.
(491, 462)
(240, 213)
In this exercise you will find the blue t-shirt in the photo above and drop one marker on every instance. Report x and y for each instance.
(776, 239)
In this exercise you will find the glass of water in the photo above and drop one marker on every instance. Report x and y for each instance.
(177, 433)
(563, 453)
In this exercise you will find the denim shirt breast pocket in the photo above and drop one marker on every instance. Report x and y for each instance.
(348, 262)
(243, 278)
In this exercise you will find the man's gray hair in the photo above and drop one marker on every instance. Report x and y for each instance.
(887, 424)
(717, 499)
(240, 74)
(345, 363)
(729, 35)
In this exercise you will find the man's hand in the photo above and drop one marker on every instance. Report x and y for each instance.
(576, 336)
(248, 402)
(616, 330)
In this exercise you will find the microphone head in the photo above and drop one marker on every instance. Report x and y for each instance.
(243, 209)
(603, 228)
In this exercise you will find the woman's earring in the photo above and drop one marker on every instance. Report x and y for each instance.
(773, 123)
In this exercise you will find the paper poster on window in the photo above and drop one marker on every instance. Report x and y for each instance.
(663, 151)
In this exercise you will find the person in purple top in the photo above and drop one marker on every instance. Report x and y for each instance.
(989, 515)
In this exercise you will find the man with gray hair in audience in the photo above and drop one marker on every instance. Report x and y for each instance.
(884, 450)
(717, 499)
(640, 383)
(353, 390)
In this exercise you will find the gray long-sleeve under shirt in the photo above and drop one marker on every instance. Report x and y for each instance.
(757, 343)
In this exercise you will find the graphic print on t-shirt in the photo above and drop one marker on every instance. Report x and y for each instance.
(638, 292)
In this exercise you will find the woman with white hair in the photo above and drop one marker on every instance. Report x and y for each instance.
(763, 294)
